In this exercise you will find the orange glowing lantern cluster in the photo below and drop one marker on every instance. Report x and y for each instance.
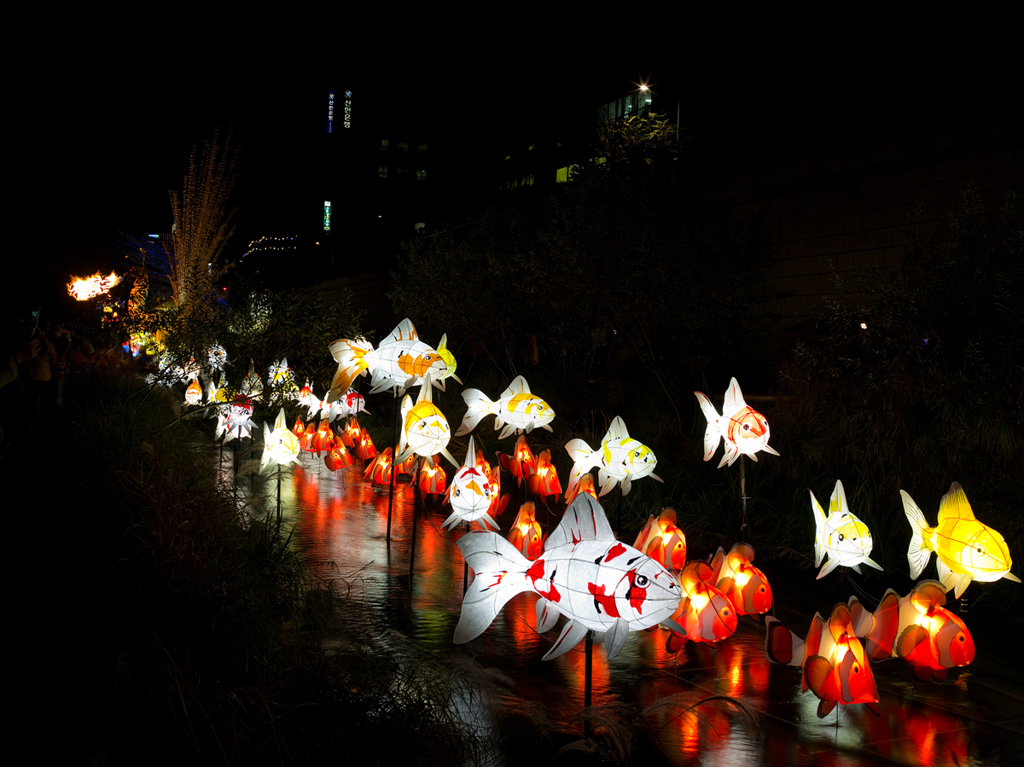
(84, 288)
(338, 457)
(544, 480)
(526, 534)
(704, 612)
(432, 478)
(379, 472)
(662, 540)
(745, 585)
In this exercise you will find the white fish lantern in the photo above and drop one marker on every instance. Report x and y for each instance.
(194, 393)
(583, 573)
(842, 536)
(280, 445)
(426, 431)
(620, 460)
(237, 422)
(470, 493)
(743, 430)
(517, 410)
(252, 387)
(217, 357)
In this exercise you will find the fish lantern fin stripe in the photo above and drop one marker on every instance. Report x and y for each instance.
(616, 637)
(781, 645)
(547, 616)
(919, 552)
(571, 636)
(500, 575)
(584, 520)
(825, 708)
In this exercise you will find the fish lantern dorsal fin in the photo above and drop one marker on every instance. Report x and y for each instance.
(470, 462)
(954, 504)
(518, 386)
(617, 430)
(741, 552)
(927, 593)
(404, 331)
(584, 520)
(840, 621)
(733, 397)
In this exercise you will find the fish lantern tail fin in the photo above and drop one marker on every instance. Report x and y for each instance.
(819, 530)
(500, 574)
(583, 461)
(781, 645)
(917, 554)
(479, 406)
(349, 356)
(713, 433)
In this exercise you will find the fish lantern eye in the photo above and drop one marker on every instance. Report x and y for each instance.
(960, 638)
(856, 669)
(842, 537)
(981, 549)
(641, 581)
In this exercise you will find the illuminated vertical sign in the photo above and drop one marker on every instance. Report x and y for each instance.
(348, 109)
(330, 111)
(327, 215)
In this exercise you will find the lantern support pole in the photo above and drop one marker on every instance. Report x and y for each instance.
(465, 569)
(588, 682)
(279, 492)
(412, 545)
(394, 452)
(743, 497)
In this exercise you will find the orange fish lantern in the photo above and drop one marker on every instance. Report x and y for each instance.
(306, 440)
(526, 534)
(544, 480)
(338, 457)
(407, 467)
(586, 485)
(919, 630)
(432, 478)
(834, 662)
(521, 463)
(352, 433)
(744, 584)
(704, 612)
(365, 448)
(324, 438)
(662, 540)
(194, 393)
(299, 428)
(379, 472)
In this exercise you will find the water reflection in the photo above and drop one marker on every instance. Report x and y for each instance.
(414, 586)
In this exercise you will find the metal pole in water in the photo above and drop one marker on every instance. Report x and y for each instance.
(394, 454)
(588, 681)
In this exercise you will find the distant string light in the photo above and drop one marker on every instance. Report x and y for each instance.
(270, 244)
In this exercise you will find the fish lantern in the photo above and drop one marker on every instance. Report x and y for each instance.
(365, 448)
(835, 665)
(408, 466)
(620, 460)
(745, 585)
(425, 430)
(743, 430)
(498, 501)
(252, 387)
(920, 631)
(544, 480)
(598, 583)
(329, 411)
(663, 541)
(965, 548)
(586, 485)
(841, 535)
(338, 457)
(352, 433)
(432, 478)
(448, 358)
(401, 361)
(517, 410)
(379, 472)
(521, 463)
(324, 438)
(351, 403)
(526, 534)
(306, 396)
(704, 612)
(470, 493)
(280, 447)
(217, 393)
(299, 428)
(194, 393)
(217, 357)
(237, 422)
(306, 440)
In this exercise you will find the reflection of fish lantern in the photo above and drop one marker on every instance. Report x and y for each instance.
(544, 480)
(743, 430)
(663, 541)
(279, 446)
(842, 536)
(379, 472)
(521, 463)
(194, 393)
(401, 361)
(470, 493)
(516, 409)
(966, 549)
(526, 534)
(744, 584)
(620, 459)
(432, 478)
(583, 573)
(834, 662)
(704, 612)
(919, 630)
(426, 430)
(338, 457)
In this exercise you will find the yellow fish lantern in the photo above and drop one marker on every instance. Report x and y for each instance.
(280, 446)
(526, 534)
(216, 393)
(401, 361)
(842, 536)
(743, 430)
(470, 493)
(517, 409)
(620, 460)
(425, 430)
(663, 541)
(544, 480)
(966, 549)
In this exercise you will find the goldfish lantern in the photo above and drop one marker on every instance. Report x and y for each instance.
(379, 472)
(280, 446)
(521, 463)
(470, 493)
(352, 433)
(517, 410)
(299, 428)
(620, 460)
(663, 541)
(704, 612)
(350, 403)
(425, 430)
(329, 411)
(743, 430)
(583, 573)
(306, 396)
(526, 534)
(834, 662)
(280, 377)
(252, 387)
(919, 630)
(842, 536)
(365, 448)
(498, 501)
(401, 361)
(216, 393)
(965, 548)
(432, 478)
(194, 393)
(237, 422)
(744, 585)
(216, 356)
(586, 485)
(323, 439)
(544, 480)
(338, 457)
(407, 467)
(306, 440)
(448, 358)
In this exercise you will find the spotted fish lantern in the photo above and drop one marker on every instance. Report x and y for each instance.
(842, 536)
(526, 534)
(663, 541)
(619, 460)
(965, 548)
(280, 447)
(598, 583)
(470, 493)
(743, 430)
